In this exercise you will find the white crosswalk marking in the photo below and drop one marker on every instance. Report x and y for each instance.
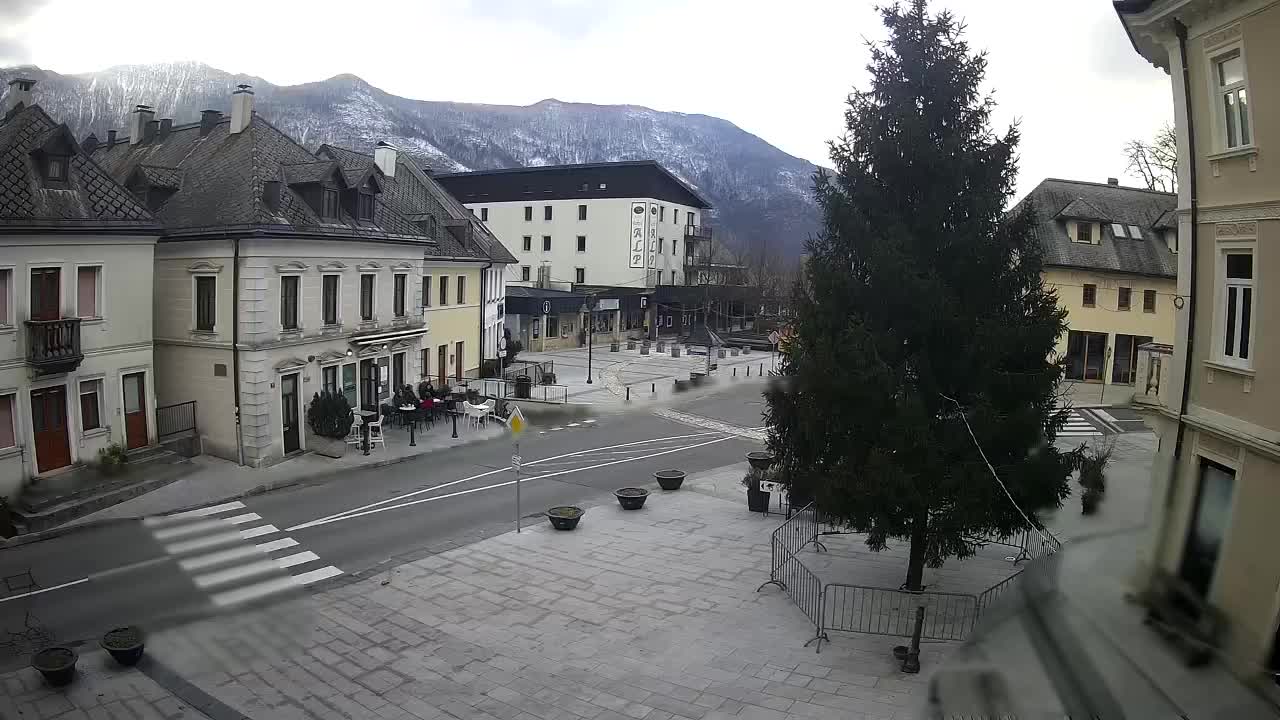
(1078, 427)
(216, 546)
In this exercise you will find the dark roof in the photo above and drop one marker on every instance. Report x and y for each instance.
(161, 177)
(1055, 200)
(91, 200)
(634, 178)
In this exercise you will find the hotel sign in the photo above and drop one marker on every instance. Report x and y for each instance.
(639, 233)
(653, 235)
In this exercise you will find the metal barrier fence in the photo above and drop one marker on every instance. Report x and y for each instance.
(887, 611)
(506, 390)
(176, 419)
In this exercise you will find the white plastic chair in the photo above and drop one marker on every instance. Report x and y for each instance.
(353, 436)
(375, 434)
(474, 413)
(489, 406)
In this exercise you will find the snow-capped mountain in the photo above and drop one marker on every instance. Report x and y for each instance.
(761, 194)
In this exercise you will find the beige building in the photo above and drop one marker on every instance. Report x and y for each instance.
(282, 272)
(1110, 253)
(1215, 400)
(75, 302)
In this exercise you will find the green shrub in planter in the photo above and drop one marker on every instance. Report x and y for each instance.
(329, 415)
(1093, 465)
(111, 459)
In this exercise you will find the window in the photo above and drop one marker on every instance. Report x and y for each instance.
(6, 289)
(675, 217)
(668, 321)
(364, 206)
(1124, 365)
(57, 168)
(673, 277)
(397, 371)
(546, 212)
(604, 186)
(1149, 301)
(462, 289)
(526, 243)
(1235, 99)
(528, 213)
(582, 212)
(546, 243)
(90, 405)
(1118, 230)
(1124, 299)
(662, 213)
(1084, 232)
(426, 291)
(366, 297)
(400, 283)
(349, 383)
(1135, 232)
(206, 301)
(1237, 315)
(8, 434)
(673, 245)
(660, 245)
(484, 214)
(1171, 239)
(579, 275)
(1209, 524)
(426, 363)
(329, 286)
(329, 379)
(582, 243)
(330, 200)
(524, 273)
(87, 291)
(1090, 295)
(289, 302)
(444, 290)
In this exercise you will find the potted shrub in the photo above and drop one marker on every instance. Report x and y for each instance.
(675, 351)
(614, 346)
(631, 344)
(111, 459)
(1093, 480)
(720, 353)
(564, 517)
(56, 664)
(662, 346)
(329, 417)
(514, 348)
(760, 459)
(757, 499)
(644, 348)
(669, 479)
(124, 643)
(631, 498)
(733, 351)
(1089, 501)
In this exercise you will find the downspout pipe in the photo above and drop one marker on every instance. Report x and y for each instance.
(484, 301)
(235, 343)
(1195, 233)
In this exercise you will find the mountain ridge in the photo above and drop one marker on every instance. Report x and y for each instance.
(761, 193)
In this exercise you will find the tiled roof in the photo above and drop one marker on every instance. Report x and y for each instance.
(1146, 209)
(161, 177)
(91, 200)
(308, 172)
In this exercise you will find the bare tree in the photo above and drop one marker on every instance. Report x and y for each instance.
(1156, 162)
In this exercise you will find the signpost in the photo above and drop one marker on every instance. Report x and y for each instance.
(516, 424)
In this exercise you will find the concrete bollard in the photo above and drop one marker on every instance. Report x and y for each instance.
(733, 351)
(748, 371)
(628, 393)
(735, 372)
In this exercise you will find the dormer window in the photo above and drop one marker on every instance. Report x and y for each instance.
(1084, 232)
(57, 168)
(330, 203)
(364, 206)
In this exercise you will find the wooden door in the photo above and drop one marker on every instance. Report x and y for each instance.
(135, 410)
(289, 413)
(457, 361)
(442, 364)
(46, 298)
(49, 427)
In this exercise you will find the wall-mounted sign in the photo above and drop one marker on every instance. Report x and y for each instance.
(635, 247)
(546, 307)
(653, 235)
(607, 304)
(644, 302)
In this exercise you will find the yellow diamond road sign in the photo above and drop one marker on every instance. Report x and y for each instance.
(516, 423)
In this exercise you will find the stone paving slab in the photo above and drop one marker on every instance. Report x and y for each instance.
(651, 615)
(102, 690)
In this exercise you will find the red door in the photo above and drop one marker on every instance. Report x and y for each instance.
(457, 362)
(442, 364)
(135, 410)
(46, 297)
(49, 426)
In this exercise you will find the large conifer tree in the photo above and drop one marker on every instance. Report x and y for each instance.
(921, 290)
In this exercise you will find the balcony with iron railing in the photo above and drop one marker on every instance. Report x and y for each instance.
(53, 346)
(697, 232)
(1154, 372)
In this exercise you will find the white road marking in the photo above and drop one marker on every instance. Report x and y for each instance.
(297, 559)
(254, 592)
(203, 543)
(323, 520)
(314, 576)
(259, 531)
(1106, 416)
(275, 545)
(198, 512)
(573, 424)
(44, 590)
(237, 573)
(589, 421)
(353, 515)
(242, 519)
(194, 528)
(217, 558)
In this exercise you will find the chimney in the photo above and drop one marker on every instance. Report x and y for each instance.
(241, 108)
(1113, 181)
(384, 156)
(166, 124)
(138, 120)
(150, 130)
(19, 93)
(90, 143)
(208, 119)
(111, 138)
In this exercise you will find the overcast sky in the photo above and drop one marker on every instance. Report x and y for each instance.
(780, 70)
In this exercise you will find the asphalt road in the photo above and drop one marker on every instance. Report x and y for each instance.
(256, 549)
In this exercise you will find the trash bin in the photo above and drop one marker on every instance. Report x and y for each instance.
(524, 384)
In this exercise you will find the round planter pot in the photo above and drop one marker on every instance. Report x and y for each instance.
(675, 352)
(746, 351)
(733, 352)
(760, 460)
(110, 469)
(644, 349)
(720, 352)
(125, 645)
(614, 347)
(757, 500)
(56, 664)
(327, 446)
(662, 346)
(565, 517)
(631, 498)
(631, 344)
(1088, 505)
(669, 479)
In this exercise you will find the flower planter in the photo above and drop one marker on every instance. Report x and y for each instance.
(56, 664)
(327, 446)
(720, 352)
(110, 469)
(746, 350)
(675, 352)
(565, 517)
(631, 344)
(644, 349)
(733, 352)
(760, 460)
(125, 644)
(757, 500)
(662, 346)
(669, 479)
(1089, 502)
(614, 347)
(631, 498)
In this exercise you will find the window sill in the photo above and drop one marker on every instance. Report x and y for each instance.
(1229, 368)
(204, 334)
(368, 324)
(8, 329)
(96, 432)
(331, 329)
(1244, 151)
(98, 320)
(9, 452)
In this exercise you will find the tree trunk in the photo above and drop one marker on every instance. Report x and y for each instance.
(915, 563)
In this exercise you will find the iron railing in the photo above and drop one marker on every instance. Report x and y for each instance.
(507, 390)
(790, 574)
(697, 232)
(1032, 543)
(884, 611)
(53, 346)
(173, 420)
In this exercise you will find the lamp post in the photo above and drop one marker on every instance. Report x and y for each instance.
(589, 309)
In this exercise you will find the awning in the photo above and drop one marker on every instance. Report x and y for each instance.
(388, 336)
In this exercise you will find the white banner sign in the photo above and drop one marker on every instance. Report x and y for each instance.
(607, 304)
(636, 246)
(653, 235)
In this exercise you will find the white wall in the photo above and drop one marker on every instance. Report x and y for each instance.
(607, 229)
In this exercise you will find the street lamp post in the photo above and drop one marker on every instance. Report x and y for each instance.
(589, 309)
